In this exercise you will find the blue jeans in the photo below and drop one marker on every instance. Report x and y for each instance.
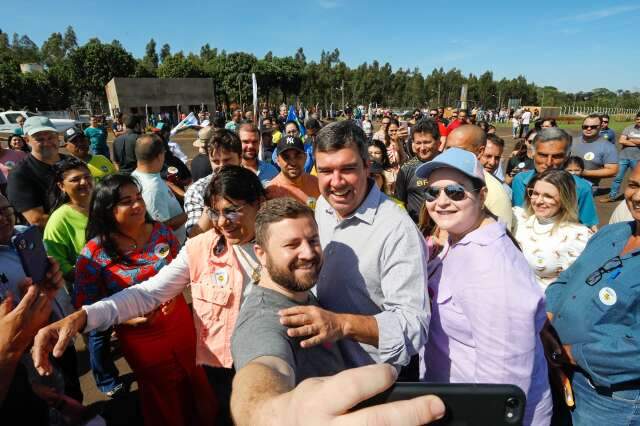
(606, 408)
(623, 165)
(104, 369)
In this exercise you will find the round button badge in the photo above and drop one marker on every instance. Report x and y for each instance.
(608, 296)
(589, 156)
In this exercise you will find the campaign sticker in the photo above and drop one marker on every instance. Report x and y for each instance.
(10, 164)
(311, 203)
(521, 165)
(608, 296)
(589, 156)
(161, 250)
(221, 277)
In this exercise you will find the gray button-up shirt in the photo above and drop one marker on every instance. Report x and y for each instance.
(375, 263)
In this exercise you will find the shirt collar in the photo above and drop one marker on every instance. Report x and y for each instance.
(484, 235)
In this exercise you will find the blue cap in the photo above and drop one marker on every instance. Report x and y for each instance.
(455, 158)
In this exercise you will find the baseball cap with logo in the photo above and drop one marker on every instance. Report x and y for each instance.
(72, 133)
(204, 135)
(33, 125)
(290, 142)
(455, 158)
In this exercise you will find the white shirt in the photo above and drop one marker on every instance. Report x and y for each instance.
(549, 251)
(526, 117)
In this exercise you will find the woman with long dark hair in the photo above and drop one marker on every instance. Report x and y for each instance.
(125, 247)
(64, 238)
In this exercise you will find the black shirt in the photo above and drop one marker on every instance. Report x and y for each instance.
(124, 151)
(521, 164)
(410, 188)
(200, 167)
(30, 185)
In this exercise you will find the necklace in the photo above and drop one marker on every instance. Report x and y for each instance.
(255, 269)
(133, 245)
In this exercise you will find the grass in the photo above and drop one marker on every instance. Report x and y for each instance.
(576, 125)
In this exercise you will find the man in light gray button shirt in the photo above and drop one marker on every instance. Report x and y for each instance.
(373, 282)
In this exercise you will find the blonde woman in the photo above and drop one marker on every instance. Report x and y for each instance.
(548, 230)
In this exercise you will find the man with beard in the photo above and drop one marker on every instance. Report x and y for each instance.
(250, 139)
(288, 250)
(29, 182)
(599, 155)
(292, 180)
(424, 144)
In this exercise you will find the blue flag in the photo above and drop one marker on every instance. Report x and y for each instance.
(292, 116)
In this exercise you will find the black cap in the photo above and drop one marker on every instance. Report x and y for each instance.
(72, 133)
(290, 142)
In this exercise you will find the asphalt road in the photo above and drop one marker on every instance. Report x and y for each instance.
(126, 411)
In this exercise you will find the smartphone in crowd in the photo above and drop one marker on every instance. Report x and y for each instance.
(32, 253)
(466, 404)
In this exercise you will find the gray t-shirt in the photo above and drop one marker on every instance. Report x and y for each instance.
(631, 152)
(259, 333)
(595, 154)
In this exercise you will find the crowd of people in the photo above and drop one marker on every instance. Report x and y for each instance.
(335, 251)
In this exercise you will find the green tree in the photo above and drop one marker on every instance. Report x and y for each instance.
(94, 64)
(165, 52)
(178, 66)
(53, 50)
(70, 41)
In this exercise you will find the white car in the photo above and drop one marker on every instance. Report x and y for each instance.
(8, 121)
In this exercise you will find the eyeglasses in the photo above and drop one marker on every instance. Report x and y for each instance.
(230, 214)
(545, 197)
(587, 127)
(610, 265)
(454, 192)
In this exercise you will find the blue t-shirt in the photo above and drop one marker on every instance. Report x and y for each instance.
(609, 135)
(97, 141)
(587, 213)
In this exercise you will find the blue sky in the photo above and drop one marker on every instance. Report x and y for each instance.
(568, 44)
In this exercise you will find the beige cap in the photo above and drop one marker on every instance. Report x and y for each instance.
(204, 135)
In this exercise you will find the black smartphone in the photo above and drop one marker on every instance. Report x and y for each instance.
(466, 404)
(32, 253)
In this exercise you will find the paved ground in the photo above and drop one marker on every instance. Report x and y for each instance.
(126, 411)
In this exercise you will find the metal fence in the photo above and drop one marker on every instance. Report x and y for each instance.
(586, 110)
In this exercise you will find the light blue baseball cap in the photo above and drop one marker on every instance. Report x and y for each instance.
(36, 124)
(459, 159)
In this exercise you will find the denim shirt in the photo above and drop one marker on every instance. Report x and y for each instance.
(601, 321)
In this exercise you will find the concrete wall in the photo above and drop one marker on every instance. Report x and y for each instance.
(127, 93)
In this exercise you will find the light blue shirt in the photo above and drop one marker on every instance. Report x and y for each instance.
(587, 213)
(162, 205)
(375, 264)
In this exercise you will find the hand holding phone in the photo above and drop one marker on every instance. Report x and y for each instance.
(466, 404)
(32, 253)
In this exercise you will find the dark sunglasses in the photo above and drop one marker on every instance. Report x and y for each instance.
(585, 127)
(605, 121)
(454, 192)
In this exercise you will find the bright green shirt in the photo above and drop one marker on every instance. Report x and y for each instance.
(64, 236)
(100, 166)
